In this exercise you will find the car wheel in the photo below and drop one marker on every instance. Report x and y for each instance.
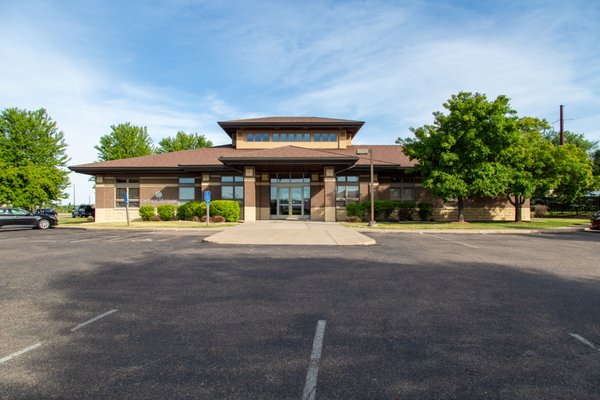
(43, 224)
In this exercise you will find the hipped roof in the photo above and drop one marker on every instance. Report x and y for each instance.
(218, 158)
(230, 127)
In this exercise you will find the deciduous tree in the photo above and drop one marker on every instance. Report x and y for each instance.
(32, 158)
(124, 141)
(464, 152)
(532, 164)
(183, 141)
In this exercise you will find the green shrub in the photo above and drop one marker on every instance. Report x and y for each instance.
(182, 211)
(147, 213)
(354, 210)
(405, 210)
(228, 209)
(196, 209)
(385, 208)
(166, 212)
(190, 210)
(425, 211)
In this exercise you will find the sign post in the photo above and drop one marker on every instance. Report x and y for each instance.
(126, 206)
(207, 202)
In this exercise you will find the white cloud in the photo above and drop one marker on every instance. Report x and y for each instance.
(85, 99)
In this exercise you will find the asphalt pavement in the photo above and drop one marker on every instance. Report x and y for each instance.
(148, 315)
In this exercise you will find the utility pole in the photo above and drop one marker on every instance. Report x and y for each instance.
(562, 126)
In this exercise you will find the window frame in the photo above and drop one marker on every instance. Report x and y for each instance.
(350, 184)
(186, 185)
(127, 184)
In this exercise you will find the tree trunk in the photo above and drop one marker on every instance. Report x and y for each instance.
(518, 205)
(461, 217)
(519, 212)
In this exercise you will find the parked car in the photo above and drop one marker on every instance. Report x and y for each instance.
(84, 210)
(20, 217)
(46, 211)
(596, 220)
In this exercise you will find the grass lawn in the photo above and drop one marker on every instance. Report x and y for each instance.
(535, 223)
(83, 222)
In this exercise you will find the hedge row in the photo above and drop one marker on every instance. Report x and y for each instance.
(390, 210)
(195, 210)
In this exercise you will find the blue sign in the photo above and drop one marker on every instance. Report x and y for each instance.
(125, 198)
(207, 197)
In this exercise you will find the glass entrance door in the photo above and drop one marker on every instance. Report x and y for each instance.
(290, 201)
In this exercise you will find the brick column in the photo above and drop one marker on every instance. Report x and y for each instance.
(249, 194)
(204, 186)
(329, 194)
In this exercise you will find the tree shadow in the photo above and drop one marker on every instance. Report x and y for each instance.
(239, 326)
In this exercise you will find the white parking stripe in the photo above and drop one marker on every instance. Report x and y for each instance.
(310, 387)
(450, 240)
(18, 353)
(92, 320)
(584, 341)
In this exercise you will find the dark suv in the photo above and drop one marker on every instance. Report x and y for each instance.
(84, 211)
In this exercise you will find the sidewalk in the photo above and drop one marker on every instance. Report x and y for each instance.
(280, 232)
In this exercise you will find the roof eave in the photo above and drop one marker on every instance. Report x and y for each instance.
(232, 127)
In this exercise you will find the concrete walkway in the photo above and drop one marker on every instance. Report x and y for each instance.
(291, 232)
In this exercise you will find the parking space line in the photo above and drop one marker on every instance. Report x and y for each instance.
(310, 387)
(96, 318)
(450, 240)
(18, 353)
(584, 341)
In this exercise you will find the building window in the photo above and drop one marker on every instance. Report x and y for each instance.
(284, 137)
(232, 188)
(402, 189)
(317, 137)
(333, 137)
(276, 137)
(347, 190)
(129, 186)
(249, 137)
(187, 191)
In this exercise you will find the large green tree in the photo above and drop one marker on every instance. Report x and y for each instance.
(463, 153)
(125, 141)
(532, 162)
(32, 158)
(183, 141)
(574, 168)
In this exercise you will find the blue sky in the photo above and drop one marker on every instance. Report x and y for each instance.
(184, 65)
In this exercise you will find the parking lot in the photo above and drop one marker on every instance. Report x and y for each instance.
(146, 315)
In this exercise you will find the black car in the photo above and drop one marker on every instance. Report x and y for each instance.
(84, 210)
(46, 211)
(20, 217)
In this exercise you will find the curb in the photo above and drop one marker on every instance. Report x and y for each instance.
(101, 228)
(479, 231)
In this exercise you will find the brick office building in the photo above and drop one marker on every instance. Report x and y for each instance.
(277, 168)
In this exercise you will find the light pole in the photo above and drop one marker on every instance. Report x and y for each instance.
(371, 185)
